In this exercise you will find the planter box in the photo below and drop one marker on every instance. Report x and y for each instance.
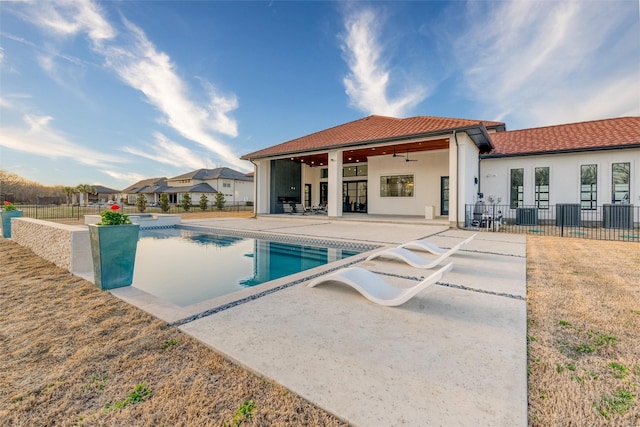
(6, 222)
(113, 250)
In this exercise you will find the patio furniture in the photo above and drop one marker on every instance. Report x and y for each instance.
(413, 259)
(376, 289)
(424, 246)
(301, 209)
(286, 207)
(321, 209)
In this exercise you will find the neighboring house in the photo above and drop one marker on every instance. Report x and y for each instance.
(236, 187)
(103, 194)
(151, 188)
(435, 166)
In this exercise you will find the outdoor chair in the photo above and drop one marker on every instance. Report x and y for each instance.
(301, 209)
(376, 289)
(424, 246)
(286, 207)
(321, 209)
(415, 260)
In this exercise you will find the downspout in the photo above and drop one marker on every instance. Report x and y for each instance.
(255, 190)
(455, 136)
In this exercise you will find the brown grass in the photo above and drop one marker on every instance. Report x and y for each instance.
(584, 332)
(69, 353)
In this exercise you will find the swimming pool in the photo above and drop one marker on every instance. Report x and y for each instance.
(186, 267)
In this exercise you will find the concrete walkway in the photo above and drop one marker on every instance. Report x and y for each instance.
(453, 355)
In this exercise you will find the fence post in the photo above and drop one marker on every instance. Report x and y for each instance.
(562, 220)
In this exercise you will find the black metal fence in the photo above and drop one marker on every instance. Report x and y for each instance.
(77, 212)
(606, 222)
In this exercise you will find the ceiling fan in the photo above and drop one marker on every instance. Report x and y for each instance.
(407, 159)
(394, 152)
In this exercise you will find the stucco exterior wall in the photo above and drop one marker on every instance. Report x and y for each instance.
(427, 170)
(564, 175)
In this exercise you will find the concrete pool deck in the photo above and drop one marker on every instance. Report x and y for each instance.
(453, 355)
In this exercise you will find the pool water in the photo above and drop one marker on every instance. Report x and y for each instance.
(186, 267)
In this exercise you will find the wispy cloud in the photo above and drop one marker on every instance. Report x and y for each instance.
(540, 63)
(39, 137)
(163, 150)
(138, 63)
(368, 82)
(144, 68)
(125, 176)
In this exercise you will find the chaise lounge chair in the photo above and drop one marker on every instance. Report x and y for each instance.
(415, 260)
(424, 246)
(377, 290)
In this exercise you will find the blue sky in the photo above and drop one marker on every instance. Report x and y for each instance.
(113, 92)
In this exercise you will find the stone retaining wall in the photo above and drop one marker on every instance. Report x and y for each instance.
(67, 246)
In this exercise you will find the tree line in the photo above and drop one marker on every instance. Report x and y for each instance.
(17, 189)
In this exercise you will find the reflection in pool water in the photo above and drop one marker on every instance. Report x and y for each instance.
(186, 267)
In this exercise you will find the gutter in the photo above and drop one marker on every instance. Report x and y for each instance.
(455, 136)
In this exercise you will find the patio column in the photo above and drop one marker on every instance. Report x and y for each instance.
(453, 181)
(261, 193)
(334, 202)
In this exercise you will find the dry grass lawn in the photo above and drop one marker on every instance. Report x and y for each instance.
(584, 332)
(73, 355)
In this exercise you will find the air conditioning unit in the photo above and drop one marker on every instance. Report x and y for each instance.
(526, 216)
(568, 215)
(617, 216)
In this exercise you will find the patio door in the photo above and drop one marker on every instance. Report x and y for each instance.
(444, 195)
(354, 196)
(307, 195)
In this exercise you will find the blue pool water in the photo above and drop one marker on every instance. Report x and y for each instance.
(186, 267)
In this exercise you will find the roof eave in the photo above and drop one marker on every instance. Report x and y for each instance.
(440, 132)
(565, 151)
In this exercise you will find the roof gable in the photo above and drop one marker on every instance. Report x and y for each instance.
(598, 134)
(144, 183)
(371, 129)
(217, 173)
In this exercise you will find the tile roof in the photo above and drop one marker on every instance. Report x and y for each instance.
(101, 189)
(144, 183)
(369, 129)
(222, 173)
(597, 134)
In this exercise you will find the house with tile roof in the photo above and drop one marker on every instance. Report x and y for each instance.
(436, 166)
(236, 187)
(587, 164)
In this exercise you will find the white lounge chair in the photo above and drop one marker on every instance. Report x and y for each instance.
(377, 290)
(415, 260)
(424, 246)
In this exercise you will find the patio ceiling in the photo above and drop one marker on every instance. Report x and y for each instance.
(360, 155)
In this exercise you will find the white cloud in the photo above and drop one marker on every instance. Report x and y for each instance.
(39, 138)
(137, 62)
(163, 150)
(367, 85)
(71, 17)
(543, 63)
(144, 68)
(125, 177)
